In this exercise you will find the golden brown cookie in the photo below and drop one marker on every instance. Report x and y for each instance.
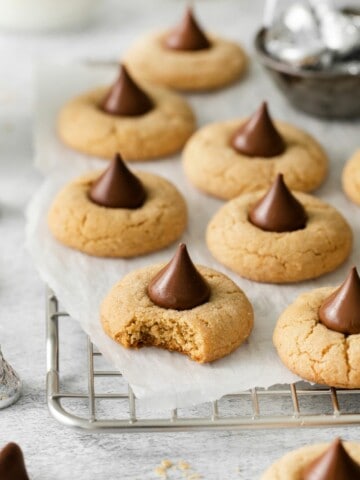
(204, 333)
(292, 465)
(215, 167)
(351, 178)
(83, 126)
(279, 257)
(207, 69)
(313, 351)
(79, 223)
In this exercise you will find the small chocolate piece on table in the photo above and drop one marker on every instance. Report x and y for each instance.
(12, 465)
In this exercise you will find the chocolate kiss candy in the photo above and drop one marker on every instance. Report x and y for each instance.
(179, 285)
(12, 466)
(258, 137)
(117, 187)
(334, 464)
(278, 210)
(341, 311)
(126, 98)
(187, 35)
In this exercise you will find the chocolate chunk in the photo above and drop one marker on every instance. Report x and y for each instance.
(341, 310)
(12, 465)
(179, 285)
(187, 35)
(258, 137)
(126, 98)
(117, 187)
(334, 464)
(278, 210)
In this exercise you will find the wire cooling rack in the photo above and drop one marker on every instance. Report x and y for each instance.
(95, 398)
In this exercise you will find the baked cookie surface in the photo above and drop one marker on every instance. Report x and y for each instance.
(79, 223)
(351, 178)
(211, 68)
(313, 351)
(214, 167)
(279, 257)
(204, 333)
(292, 465)
(83, 126)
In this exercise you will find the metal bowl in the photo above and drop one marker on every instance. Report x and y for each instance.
(319, 93)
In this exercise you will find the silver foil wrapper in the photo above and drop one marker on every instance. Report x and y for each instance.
(314, 34)
(294, 36)
(10, 383)
(339, 31)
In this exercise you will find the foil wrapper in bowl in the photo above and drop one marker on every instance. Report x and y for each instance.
(10, 384)
(312, 34)
(327, 92)
(294, 37)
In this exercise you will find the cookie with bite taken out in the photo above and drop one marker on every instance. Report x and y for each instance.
(179, 307)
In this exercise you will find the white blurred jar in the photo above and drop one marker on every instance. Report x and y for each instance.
(46, 15)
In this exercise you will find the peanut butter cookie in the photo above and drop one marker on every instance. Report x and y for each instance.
(351, 178)
(279, 256)
(78, 222)
(84, 126)
(186, 58)
(313, 350)
(206, 318)
(214, 166)
(294, 465)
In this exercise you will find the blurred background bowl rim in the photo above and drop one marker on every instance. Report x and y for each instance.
(283, 67)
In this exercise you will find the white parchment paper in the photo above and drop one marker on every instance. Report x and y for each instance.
(161, 379)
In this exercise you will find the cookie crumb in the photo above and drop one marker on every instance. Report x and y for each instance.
(162, 469)
(160, 472)
(167, 470)
(183, 465)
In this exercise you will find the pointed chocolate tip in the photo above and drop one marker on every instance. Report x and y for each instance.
(12, 465)
(117, 187)
(179, 285)
(341, 310)
(263, 109)
(124, 71)
(334, 464)
(278, 210)
(187, 35)
(258, 136)
(125, 97)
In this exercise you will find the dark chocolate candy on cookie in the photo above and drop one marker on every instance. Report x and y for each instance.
(179, 285)
(341, 310)
(12, 465)
(187, 35)
(126, 98)
(117, 187)
(278, 210)
(258, 137)
(334, 464)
